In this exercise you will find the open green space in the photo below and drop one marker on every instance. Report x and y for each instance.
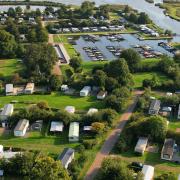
(153, 159)
(139, 77)
(8, 67)
(55, 100)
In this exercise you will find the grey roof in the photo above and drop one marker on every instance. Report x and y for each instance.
(65, 155)
(155, 104)
(168, 147)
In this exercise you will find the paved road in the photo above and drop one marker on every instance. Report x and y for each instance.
(111, 140)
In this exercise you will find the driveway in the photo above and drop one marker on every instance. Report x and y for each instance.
(111, 139)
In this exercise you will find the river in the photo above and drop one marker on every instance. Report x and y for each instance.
(155, 13)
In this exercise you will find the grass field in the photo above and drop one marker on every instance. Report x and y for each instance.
(152, 159)
(9, 66)
(55, 100)
(139, 77)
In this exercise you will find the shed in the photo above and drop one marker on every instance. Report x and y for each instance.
(168, 149)
(9, 89)
(148, 172)
(101, 95)
(7, 112)
(66, 157)
(154, 107)
(29, 89)
(74, 132)
(85, 91)
(21, 127)
(141, 145)
(56, 126)
(92, 111)
(70, 109)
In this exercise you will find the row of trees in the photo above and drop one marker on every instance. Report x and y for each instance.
(31, 165)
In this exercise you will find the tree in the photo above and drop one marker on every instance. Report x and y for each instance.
(98, 127)
(11, 12)
(76, 63)
(177, 58)
(31, 36)
(99, 78)
(114, 168)
(47, 168)
(110, 84)
(8, 45)
(120, 71)
(39, 60)
(43, 105)
(132, 58)
(122, 92)
(55, 82)
(144, 18)
(87, 8)
(133, 18)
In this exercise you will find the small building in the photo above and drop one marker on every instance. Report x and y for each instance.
(9, 89)
(85, 91)
(29, 89)
(148, 172)
(56, 126)
(21, 127)
(141, 145)
(168, 149)
(154, 107)
(101, 95)
(66, 157)
(74, 132)
(70, 109)
(92, 111)
(6, 113)
(64, 87)
(178, 112)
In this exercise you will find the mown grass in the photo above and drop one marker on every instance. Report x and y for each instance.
(8, 67)
(55, 100)
(139, 78)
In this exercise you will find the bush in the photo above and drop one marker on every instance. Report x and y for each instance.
(89, 144)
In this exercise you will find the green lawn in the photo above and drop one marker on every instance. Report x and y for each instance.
(151, 159)
(55, 100)
(9, 66)
(139, 77)
(36, 141)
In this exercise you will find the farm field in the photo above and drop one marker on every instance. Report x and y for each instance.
(55, 100)
(9, 66)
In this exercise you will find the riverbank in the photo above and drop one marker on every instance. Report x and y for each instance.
(172, 10)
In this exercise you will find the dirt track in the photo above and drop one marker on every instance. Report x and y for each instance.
(111, 140)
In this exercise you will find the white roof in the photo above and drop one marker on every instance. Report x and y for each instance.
(7, 109)
(179, 177)
(8, 154)
(92, 111)
(74, 129)
(141, 144)
(56, 126)
(87, 128)
(148, 172)
(86, 88)
(9, 88)
(168, 109)
(70, 109)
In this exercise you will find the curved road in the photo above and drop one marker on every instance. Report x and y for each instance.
(111, 139)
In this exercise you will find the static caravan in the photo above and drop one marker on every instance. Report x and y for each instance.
(6, 113)
(178, 112)
(74, 132)
(70, 109)
(66, 157)
(21, 127)
(168, 149)
(154, 107)
(148, 172)
(141, 145)
(85, 91)
(92, 111)
(9, 89)
(29, 89)
(56, 126)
